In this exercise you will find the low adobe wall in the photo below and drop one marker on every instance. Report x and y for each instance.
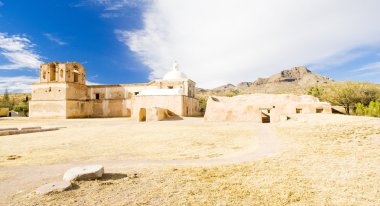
(256, 107)
(151, 114)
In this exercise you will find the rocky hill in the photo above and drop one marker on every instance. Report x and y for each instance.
(296, 80)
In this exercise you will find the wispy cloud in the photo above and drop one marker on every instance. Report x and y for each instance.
(368, 69)
(339, 59)
(112, 8)
(54, 39)
(91, 83)
(18, 84)
(1, 3)
(113, 5)
(18, 50)
(233, 41)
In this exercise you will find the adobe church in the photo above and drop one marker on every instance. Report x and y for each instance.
(62, 93)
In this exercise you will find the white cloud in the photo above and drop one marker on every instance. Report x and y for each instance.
(372, 69)
(55, 39)
(222, 41)
(91, 83)
(18, 51)
(18, 84)
(113, 5)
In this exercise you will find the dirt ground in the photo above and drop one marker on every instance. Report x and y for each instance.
(309, 160)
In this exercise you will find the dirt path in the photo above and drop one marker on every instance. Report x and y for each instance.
(29, 177)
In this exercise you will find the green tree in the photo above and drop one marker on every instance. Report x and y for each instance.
(315, 91)
(232, 93)
(22, 107)
(5, 101)
(373, 109)
(348, 94)
(203, 104)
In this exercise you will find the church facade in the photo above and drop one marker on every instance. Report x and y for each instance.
(62, 93)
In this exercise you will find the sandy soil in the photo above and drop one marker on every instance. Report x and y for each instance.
(308, 160)
(121, 139)
(41, 157)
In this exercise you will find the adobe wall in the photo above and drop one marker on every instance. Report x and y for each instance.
(76, 91)
(49, 91)
(171, 103)
(251, 107)
(110, 108)
(156, 114)
(190, 106)
(62, 92)
(47, 109)
(222, 111)
(78, 109)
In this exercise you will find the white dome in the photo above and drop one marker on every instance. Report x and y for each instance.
(175, 74)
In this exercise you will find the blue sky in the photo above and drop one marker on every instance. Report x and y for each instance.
(215, 42)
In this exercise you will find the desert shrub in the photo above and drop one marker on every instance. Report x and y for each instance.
(315, 91)
(232, 93)
(348, 94)
(22, 107)
(203, 104)
(373, 109)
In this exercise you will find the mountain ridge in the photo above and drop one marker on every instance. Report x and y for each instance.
(296, 80)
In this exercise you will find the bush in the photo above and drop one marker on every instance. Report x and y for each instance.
(373, 109)
(348, 94)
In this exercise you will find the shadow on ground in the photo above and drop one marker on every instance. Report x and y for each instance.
(113, 176)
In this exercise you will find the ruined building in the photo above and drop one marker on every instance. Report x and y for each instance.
(62, 93)
(263, 108)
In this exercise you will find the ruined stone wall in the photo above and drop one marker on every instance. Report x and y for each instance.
(172, 103)
(254, 107)
(190, 106)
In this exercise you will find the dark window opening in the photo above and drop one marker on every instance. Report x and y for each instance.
(142, 115)
(75, 77)
(170, 87)
(319, 110)
(136, 93)
(265, 117)
(52, 73)
(97, 96)
(298, 110)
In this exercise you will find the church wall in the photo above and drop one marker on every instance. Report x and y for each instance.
(63, 93)
(78, 109)
(47, 109)
(49, 91)
(190, 106)
(110, 108)
(76, 91)
(171, 103)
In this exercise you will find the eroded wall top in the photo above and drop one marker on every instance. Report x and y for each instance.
(62, 72)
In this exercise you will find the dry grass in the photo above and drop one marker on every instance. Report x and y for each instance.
(329, 160)
(123, 139)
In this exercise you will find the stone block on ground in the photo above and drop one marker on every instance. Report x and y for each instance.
(88, 172)
(53, 187)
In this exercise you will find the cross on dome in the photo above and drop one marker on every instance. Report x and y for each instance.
(175, 74)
